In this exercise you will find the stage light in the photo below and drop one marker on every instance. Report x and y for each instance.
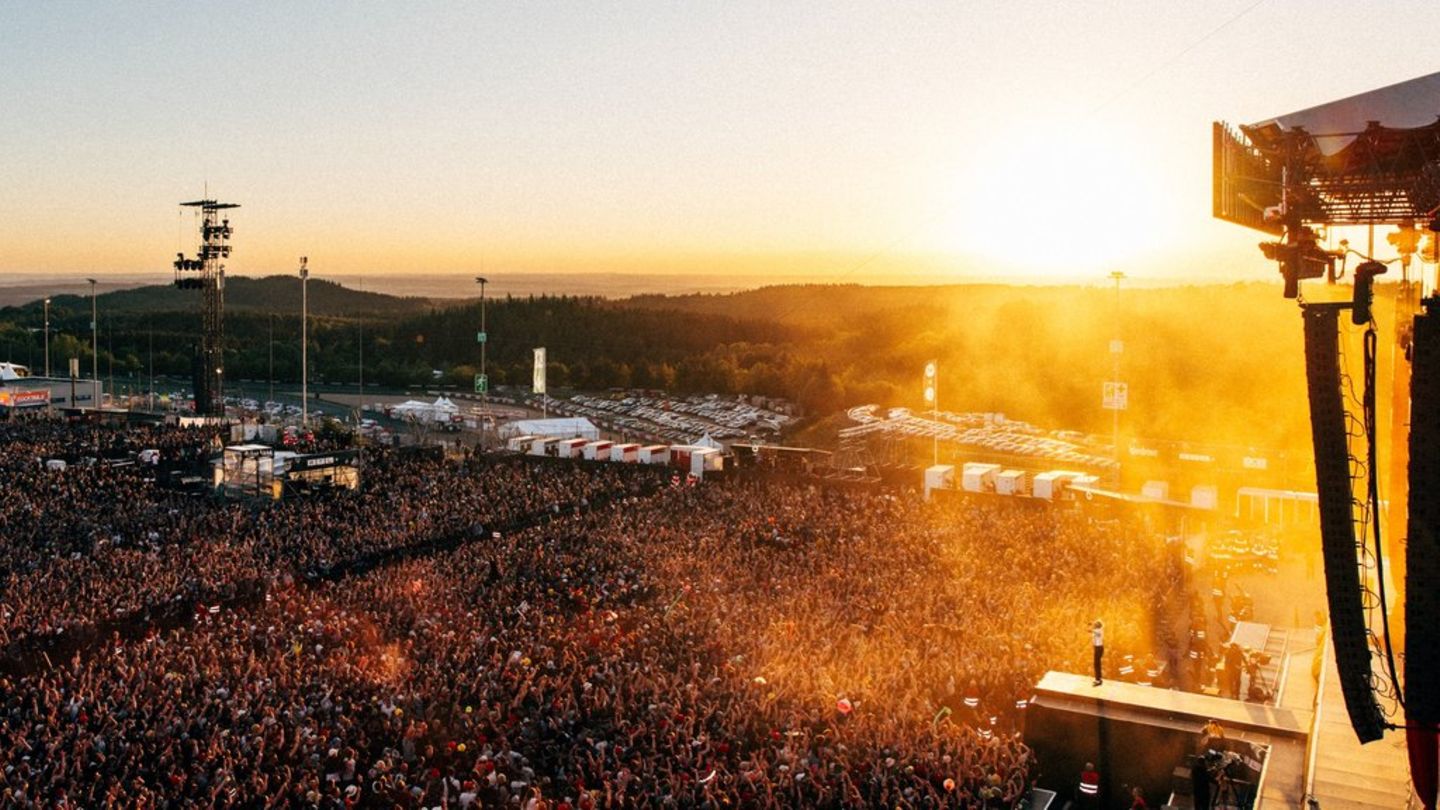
(1405, 239)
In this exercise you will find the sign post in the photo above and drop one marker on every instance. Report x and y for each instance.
(1115, 396)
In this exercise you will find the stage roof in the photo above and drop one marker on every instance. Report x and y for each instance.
(1334, 125)
(1371, 158)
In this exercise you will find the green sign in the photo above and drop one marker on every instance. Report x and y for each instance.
(482, 383)
(480, 337)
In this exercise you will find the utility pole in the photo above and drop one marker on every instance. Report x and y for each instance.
(360, 409)
(47, 338)
(152, 368)
(94, 346)
(304, 343)
(110, 349)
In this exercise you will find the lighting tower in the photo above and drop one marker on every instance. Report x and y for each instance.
(206, 273)
(304, 341)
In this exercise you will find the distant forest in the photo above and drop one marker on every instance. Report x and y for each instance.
(1207, 363)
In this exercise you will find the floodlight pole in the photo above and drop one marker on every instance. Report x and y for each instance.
(1115, 350)
(94, 346)
(304, 343)
(47, 338)
(485, 339)
(360, 322)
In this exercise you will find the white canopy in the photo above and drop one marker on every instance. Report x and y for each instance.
(568, 428)
(708, 441)
(438, 411)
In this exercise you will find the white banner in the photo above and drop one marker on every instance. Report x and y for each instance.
(538, 380)
(930, 381)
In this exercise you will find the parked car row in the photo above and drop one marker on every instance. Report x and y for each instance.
(988, 431)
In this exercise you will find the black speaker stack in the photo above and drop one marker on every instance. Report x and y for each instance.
(1337, 524)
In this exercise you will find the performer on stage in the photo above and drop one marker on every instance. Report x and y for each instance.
(1097, 640)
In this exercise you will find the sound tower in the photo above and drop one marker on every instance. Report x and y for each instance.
(1337, 525)
(1422, 551)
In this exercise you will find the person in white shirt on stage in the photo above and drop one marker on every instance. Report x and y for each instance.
(1097, 640)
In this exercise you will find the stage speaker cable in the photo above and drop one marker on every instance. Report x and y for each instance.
(1373, 495)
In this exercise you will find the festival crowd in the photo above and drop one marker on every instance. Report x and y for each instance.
(730, 644)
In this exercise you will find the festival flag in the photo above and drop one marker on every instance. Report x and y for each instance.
(537, 383)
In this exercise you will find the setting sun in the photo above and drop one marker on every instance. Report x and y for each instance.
(1059, 202)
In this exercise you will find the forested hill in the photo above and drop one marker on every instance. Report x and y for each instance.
(1208, 363)
(270, 294)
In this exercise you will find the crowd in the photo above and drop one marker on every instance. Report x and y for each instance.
(725, 645)
(96, 541)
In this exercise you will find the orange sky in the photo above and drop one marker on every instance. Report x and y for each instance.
(965, 140)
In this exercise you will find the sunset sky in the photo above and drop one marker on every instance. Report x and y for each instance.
(834, 139)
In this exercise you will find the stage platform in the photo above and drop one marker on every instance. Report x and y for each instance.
(1174, 707)
(1312, 748)
(1174, 715)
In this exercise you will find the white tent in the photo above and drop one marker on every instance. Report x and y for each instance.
(410, 407)
(708, 441)
(441, 410)
(567, 428)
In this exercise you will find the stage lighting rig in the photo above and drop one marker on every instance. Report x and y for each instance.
(206, 273)
(1301, 257)
(1405, 239)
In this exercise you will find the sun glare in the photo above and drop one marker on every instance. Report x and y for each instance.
(1059, 204)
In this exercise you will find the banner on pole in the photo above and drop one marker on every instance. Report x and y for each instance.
(537, 383)
(930, 373)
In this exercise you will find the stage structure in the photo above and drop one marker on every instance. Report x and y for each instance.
(206, 273)
(246, 471)
(1368, 160)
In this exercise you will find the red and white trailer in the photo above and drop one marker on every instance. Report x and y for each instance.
(625, 453)
(655, 454)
